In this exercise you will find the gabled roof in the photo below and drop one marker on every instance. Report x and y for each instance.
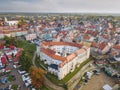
(87, 37)
(91, 32)
(106, 36)
(51, 53)
(117, 47)
(4, 60)
(94, 44)
(9, 56)
(102, 45)
(61, 43)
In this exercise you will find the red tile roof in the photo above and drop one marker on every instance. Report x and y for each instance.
(9, 56)
(117, 47)
(4, 60)
(18, 54)
(80, 51)
(64, 33)
(62, 43)
(102, 45)
(11, 47)
(105, 36)
(51, 53)
(91, 32)
(94, 44)
(86, 37)
(1, 47)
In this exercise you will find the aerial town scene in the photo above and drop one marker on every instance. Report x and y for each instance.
(59, 45)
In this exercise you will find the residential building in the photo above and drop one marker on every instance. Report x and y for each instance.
(63, 57)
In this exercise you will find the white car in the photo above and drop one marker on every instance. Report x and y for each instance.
(28, 82)
(25, 77)
(21, 72)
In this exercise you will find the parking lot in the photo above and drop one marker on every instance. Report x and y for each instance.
(18, 78)
(98, 81)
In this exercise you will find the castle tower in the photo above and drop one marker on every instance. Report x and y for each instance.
(5, 19)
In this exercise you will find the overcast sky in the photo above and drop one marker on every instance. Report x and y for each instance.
(102, 6)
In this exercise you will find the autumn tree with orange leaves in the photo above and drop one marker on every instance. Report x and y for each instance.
(37, 76)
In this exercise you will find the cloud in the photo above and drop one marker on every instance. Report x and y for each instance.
(60, 5)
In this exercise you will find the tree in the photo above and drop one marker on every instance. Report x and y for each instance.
(22, 22)
(37, 76)
(11, 41)
(25, 61)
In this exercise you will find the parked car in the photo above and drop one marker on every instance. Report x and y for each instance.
(21, 72)
(25, 77)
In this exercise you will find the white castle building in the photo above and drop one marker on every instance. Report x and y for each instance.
(11, 23)
(63, 57)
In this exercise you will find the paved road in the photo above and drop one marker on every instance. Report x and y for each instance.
(47, 82)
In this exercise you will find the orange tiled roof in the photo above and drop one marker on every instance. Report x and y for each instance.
(64, 33)
(106, 36)
(114, 53)
(86, 37)
(62, 43)
(116, 47)
(51, 53)
(102, 45)
(80, 51)
(94, 44)
(71, 56)
(11, 31)
(91, 32)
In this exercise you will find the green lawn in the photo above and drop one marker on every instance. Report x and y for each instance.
(46, 88)
(14, 87)
(28, 47)
(45, 65)
(37, 63)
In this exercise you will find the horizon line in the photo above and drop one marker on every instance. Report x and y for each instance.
(59, 12)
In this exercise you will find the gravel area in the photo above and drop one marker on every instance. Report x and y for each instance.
(98, 81)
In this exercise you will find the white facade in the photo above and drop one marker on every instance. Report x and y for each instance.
(11, 23)
(1, 35)
(68, 65)
(69, 49)
(31, 36)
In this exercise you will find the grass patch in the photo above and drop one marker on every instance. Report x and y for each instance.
(54, 79)
(45, 65)
(14, 87)
(28, 47)
(11, 78)
(46, 88)
(37, 63)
